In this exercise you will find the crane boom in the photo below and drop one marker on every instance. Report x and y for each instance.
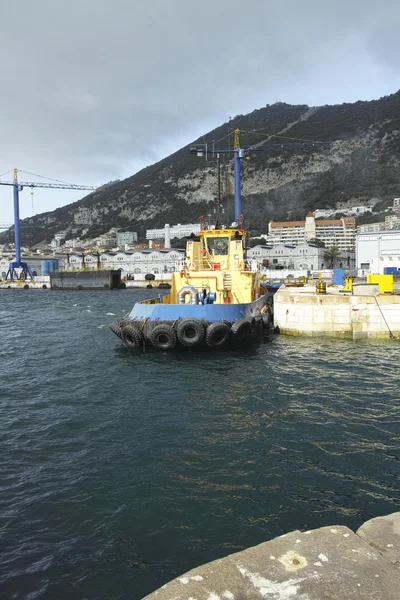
(57, 186)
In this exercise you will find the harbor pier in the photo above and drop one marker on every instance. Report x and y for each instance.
(361, 312)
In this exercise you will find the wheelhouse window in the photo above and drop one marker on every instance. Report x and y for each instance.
(218, 245)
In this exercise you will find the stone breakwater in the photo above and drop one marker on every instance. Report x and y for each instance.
(301, 311)
(330, 563)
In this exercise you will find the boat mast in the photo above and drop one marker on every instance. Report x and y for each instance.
(238, 154)
(217, 223)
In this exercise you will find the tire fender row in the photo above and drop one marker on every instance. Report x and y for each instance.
(189, 332)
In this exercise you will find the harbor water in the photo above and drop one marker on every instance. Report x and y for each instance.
(121, 470)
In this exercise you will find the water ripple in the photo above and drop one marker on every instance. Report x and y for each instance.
(121, 470)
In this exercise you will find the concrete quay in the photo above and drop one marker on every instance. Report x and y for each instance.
(89, 283)
(39, 285)
(329, 563)
(25, 285)
(362, 313)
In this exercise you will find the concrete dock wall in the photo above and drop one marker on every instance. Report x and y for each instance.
(330, 563)
(303, 312)
(85, 280)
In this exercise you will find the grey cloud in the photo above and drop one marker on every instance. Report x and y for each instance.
(96, 89)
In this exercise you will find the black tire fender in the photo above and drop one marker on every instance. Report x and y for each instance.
(123, 322)
(241, 329)
(163, 336)
(266, 319)
(217, 335)
(115, 328)
(190, 332)
(131, 336)
(257, 325)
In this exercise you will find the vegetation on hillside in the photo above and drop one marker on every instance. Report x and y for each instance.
(284, 182)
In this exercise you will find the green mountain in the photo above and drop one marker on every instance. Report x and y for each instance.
(281, 180)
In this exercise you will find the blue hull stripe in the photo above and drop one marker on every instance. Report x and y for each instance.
(209, 312)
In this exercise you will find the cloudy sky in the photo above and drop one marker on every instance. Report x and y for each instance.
(93, 90)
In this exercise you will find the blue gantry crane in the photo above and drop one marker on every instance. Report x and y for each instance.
(18, 186)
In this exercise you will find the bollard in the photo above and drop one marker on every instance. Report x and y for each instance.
(348, 284)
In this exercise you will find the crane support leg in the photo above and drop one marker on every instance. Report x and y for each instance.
(12, 274)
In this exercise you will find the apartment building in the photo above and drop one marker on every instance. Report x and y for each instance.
(126, 238)
(333, 232)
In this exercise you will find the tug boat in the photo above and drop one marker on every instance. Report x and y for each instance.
(216, 300)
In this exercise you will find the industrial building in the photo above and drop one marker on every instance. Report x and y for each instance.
(333, 232)
(303, 256)
(137, 262)
(39, 265)
(376, 252)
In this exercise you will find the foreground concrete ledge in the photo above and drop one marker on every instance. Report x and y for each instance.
(383, 533)
(330, 563)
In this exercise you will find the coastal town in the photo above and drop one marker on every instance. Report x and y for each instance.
(296, 247)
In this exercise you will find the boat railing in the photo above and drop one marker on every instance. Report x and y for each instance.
(211, 264)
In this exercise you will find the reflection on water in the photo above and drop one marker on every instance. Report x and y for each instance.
(121, 470)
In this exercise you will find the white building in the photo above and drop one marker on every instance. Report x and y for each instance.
(354, 210)
(56, 242)
(367, 227)
(396, 205)
(137, 262)
(376, 251)
(73, 243)
(126, 238)
(176, 231)
(304, 256)
(107, 241)
(333, 232)
(392, 222)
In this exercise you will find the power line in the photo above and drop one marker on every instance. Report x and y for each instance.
(6, 173)
(284, 137)
(43, 177)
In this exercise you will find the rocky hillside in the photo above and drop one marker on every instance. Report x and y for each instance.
(360, 165)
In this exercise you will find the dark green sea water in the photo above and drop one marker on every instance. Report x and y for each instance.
(121, 470)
